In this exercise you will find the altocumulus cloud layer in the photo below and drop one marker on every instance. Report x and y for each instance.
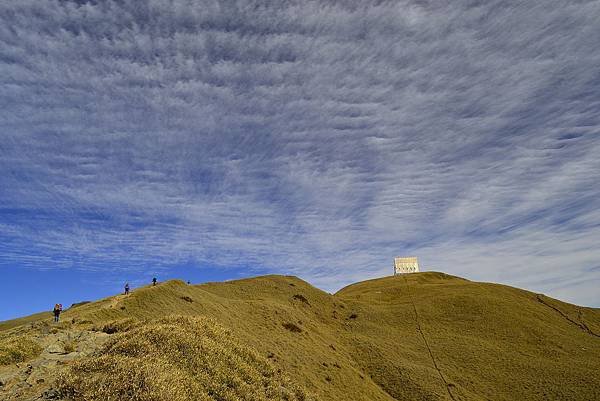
(311, 138)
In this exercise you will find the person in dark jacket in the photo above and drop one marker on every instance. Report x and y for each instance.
(154, 281)
(57, 310)
(126, 288)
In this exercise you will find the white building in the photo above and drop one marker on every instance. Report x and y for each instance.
(405, 265)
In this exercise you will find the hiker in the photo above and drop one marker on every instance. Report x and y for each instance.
(154, 281)
(57, 310)
(126, 288)
(189, 282)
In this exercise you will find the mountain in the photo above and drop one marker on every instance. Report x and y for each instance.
(422, 336)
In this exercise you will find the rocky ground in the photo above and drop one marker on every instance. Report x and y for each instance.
(33, 380)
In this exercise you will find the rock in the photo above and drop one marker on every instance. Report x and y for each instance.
(31, 380)
(51, 394)
(55, 348)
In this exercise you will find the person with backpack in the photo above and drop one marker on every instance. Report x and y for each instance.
(126, 288)
(57, 310)
(154, 281)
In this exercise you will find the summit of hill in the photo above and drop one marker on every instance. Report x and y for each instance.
(420, 336)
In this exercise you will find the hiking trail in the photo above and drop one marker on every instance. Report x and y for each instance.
(581, 324)
(447, 385)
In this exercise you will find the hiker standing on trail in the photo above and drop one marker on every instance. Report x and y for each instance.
(126, 288)
(154, 281)
(57, 310)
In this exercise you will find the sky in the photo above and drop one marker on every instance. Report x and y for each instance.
(213, 140)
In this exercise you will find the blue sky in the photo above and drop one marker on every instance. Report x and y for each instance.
(215, 140)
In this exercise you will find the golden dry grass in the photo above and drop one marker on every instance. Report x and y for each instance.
(17, 349)
(177, 359)
(424, 336)
(488, 341)
(9, 324)
(117, 326)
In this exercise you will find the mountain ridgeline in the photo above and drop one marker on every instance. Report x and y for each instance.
(422, 336)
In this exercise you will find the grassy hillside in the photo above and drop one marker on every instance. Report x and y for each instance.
(9, 324)
(424, 336)
(177, 359)
(479, 341)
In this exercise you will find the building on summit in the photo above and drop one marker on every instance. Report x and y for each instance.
(405, 265)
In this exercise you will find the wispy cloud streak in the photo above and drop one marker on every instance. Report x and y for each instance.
(313, 138)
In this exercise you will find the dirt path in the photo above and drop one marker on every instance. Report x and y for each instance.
(581, 324)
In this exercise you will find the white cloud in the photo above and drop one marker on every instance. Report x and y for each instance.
(319, 139)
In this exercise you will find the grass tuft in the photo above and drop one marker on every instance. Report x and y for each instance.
(187, 299)
(118, 326)
(301, 298)
(18, 349)
(292, 327)
(69, 346)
